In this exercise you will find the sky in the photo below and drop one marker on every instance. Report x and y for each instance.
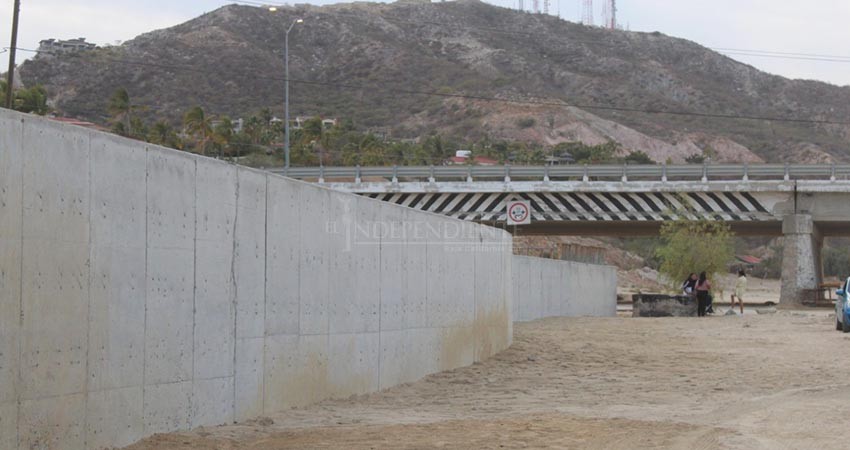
(787, 26)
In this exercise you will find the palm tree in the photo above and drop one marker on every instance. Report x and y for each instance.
(120, 109)
(198, 125)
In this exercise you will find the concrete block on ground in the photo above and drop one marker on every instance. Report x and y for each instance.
(212, 402)
(114, 418)
(55, 309)
(169, 336)
(283, 256)
(214, 311)
(167, 407)
(250, 255)
(295, 370)
(249, 378)
(353, 364)
(116, 318)
(171, 199)
(56, 182)
(658, 305)
(53, 422)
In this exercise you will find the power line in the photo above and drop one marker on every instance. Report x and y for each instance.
(585, 106)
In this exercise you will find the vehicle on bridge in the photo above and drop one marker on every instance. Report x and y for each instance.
(842, 309)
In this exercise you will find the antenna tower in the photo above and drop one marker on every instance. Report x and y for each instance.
(612, 9)
(520, 5)
(546, 6)
(536, 6)
(587, 13)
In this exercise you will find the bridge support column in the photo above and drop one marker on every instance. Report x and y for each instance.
(801, 259)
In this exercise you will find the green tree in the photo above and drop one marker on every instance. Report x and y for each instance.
(120, 110)
(161, 133)
(199, 125)
(638, 157)
(694, 246)
(32, 100)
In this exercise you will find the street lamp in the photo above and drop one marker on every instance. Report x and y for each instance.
(286, 95)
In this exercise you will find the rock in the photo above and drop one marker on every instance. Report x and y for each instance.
(766, 311)
(731, 312)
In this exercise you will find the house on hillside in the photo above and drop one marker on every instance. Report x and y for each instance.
(52, 47)
(463, 157)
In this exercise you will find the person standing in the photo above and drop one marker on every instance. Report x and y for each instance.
(703, 290)
(740, 290)
(689, 284)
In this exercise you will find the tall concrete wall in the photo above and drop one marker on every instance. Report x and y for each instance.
(553, 288)
(145, 290)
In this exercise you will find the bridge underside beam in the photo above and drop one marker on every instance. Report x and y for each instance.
(627, 228)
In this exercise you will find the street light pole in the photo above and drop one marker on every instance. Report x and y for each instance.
(10, 76)
(286, 95)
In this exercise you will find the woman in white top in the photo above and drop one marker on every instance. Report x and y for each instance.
(740, 290)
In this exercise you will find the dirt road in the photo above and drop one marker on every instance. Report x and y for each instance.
(761, 381)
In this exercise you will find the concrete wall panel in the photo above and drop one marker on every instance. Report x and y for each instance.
(248, 395)
(250, 255)
(53, 422)
(167, 407)
(114, 418)
(560, 288)
(296, 371)
(214, 317)
(116, 335)
(169, 317)
(162, 291)
(314, 276)
(283, 256)
(56, 183)
(171, 200)
(212, 402)
(53, 337)
(354, 363)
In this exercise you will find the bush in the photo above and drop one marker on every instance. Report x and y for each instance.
(526, 122)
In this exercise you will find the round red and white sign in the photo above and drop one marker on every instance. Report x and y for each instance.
(519, 213)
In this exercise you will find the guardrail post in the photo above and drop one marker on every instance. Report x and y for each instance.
(546, 174)
(431, 178)
(787, 173)
(625, 178)
(664, 172)
(469, 174)
(585, 178)
(321, 174)
(357, 174)
(395, 175)
(705, 173)
(832, 174)
(746, 172)
(507, 173)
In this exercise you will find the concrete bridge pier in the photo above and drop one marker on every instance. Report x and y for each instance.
(801, 258)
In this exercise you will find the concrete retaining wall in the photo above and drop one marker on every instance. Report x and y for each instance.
(145, 290)
(553, 288)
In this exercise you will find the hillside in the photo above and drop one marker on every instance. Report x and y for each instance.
(361, 61)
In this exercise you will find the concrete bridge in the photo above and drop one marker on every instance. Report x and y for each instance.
(802, 203)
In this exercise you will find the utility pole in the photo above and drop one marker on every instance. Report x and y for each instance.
(10, 77)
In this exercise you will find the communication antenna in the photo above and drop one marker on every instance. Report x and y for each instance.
(587, 13)
(546, 6)
(536, 6)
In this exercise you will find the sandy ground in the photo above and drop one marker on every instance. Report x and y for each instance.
(773, 381)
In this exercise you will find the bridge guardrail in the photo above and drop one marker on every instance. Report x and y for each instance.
(577, 172)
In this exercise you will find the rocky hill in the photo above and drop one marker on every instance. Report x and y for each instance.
(366, 62)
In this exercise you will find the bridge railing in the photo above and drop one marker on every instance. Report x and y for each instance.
(715, 172)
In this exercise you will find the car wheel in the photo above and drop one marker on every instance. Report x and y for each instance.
(838, 324)
(845, 325)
